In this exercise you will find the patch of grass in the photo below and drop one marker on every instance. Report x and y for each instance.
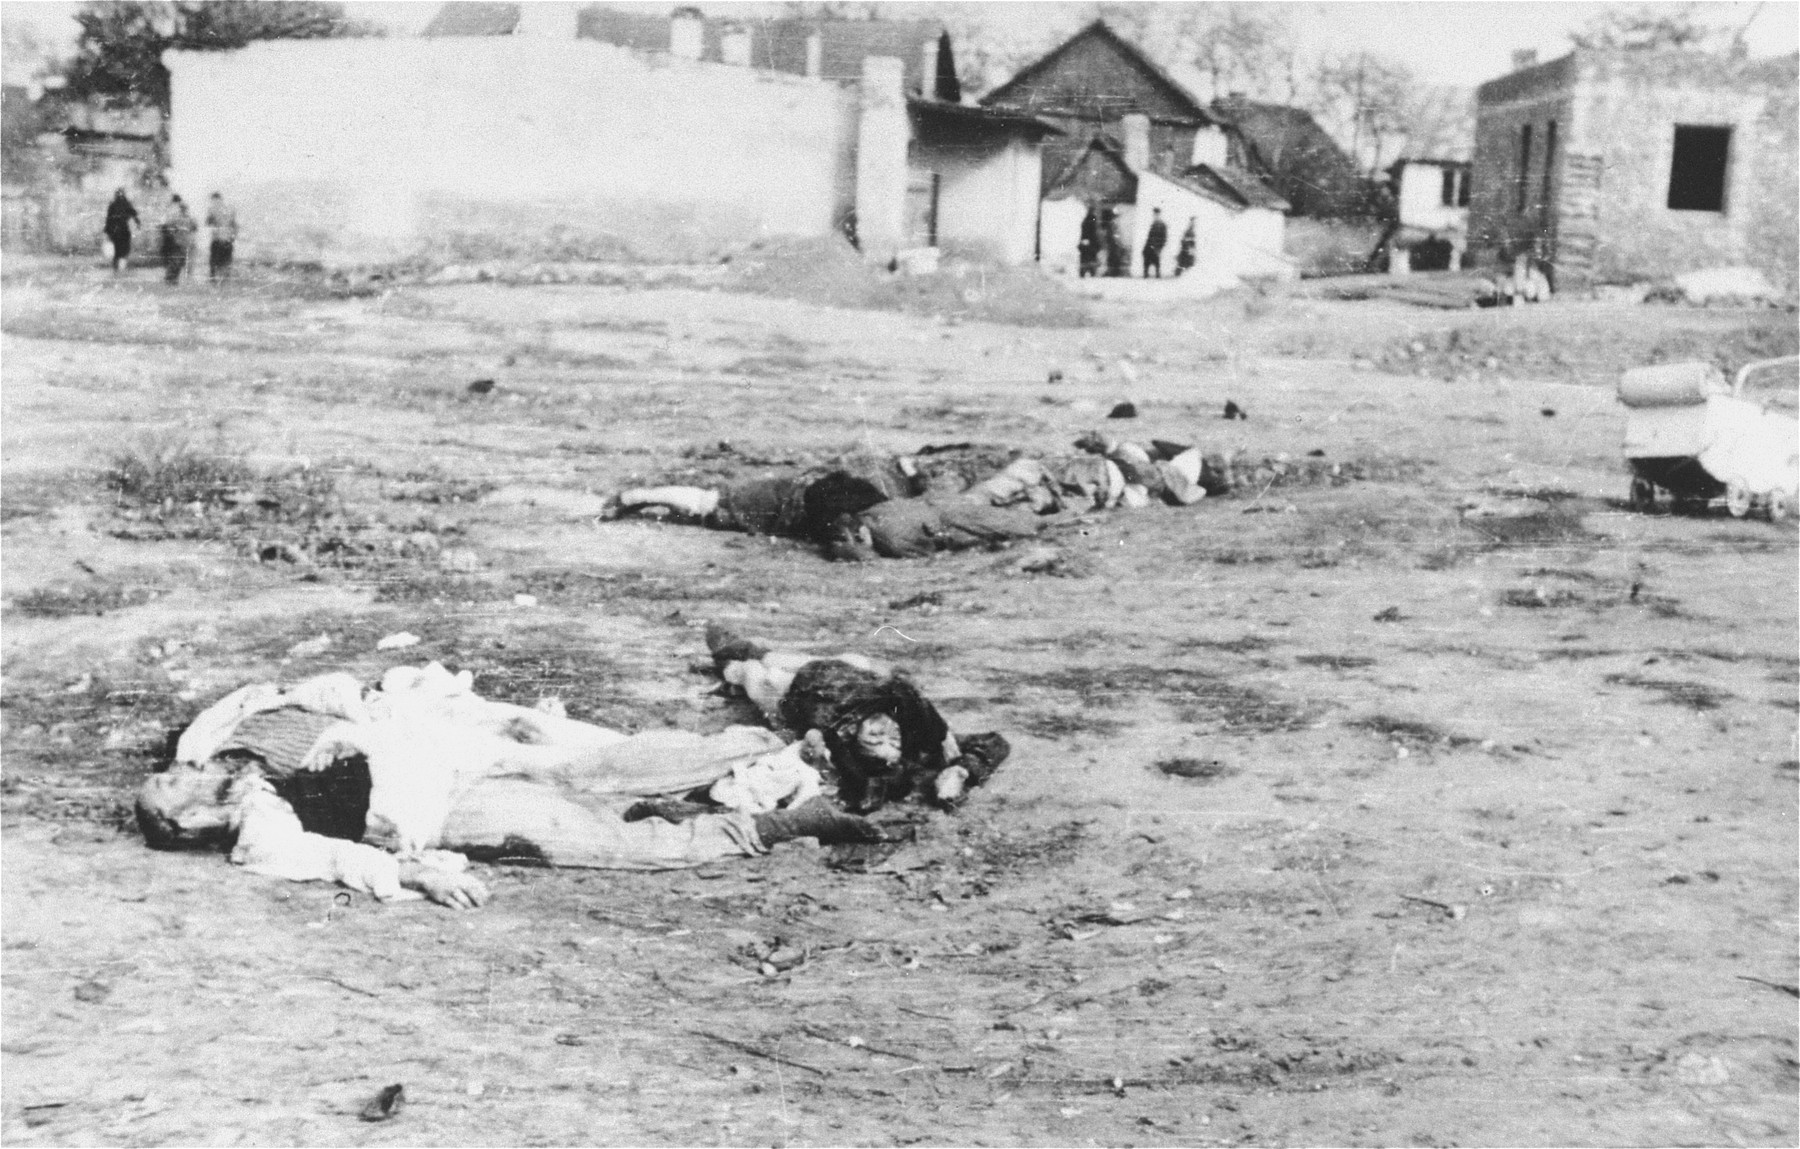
(168, 471)
(1693, 695)
(1196, 696)
(1246, 644)
(1412, 733)
(63, 601)
(1060, 724)
(1336, 661)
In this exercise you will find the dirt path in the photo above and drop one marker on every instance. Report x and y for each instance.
(1397, 810)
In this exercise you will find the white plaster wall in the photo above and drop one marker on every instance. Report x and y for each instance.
(1241, 242)
(358, 150)
(1059, 235)
(987, 198)
(1422, 200)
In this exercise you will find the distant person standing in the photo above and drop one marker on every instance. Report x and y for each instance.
(221, 221)
(1154, 241)
(177, 239)
(1089, 247)
(1118, 259)
(1184, 259)
(121, 218)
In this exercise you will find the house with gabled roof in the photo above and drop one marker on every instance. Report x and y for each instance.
(1135, 141)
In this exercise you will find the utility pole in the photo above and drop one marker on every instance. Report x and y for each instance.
(1356, 117)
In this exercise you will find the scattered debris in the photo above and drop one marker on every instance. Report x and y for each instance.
(1547, 412)
(398, 641)
(386, 1104)
(1123, 411)
(1391, 614)
(745, 1047)
(481, 387)
(1456, 912)
(1056, 375)
(310, 648)
(1726, 285)
(1203, 769)
(525, 600)
(1233, 411)
(1790, 990)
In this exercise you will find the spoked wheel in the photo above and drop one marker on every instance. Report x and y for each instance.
(1643, 495)
(1777, 507)
(1737, 500)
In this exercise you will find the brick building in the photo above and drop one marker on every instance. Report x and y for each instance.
(1633, 165)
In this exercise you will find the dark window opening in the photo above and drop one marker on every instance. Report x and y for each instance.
(1524, 167)
(1549, 161)
(1449, 193)
(1697, 171)
(1462, 188)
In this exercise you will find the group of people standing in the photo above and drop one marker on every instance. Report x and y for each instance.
(175, 234)
(1100, 240)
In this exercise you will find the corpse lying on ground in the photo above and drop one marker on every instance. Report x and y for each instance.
(391, 791)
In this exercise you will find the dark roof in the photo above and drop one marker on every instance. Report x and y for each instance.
(1019, 91)
(1235, 184)
(979, 117)
(1432, 160)
(779, 44)
(1098, 171)
(1299, 160)
(474, 18)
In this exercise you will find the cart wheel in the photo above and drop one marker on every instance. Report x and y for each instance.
(1737, 500)
(1776, 507)
(1643, 495)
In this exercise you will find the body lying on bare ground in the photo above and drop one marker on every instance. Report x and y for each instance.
(392, 790)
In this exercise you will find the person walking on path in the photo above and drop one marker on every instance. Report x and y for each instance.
(177, 239)
(121, 218)
(1184, 258)
(1154, 242)
(221, 221)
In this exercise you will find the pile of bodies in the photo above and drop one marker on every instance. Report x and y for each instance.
(942, 498)
(392, 790)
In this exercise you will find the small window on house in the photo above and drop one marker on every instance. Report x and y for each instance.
(1697, 171)
(1524, 167)
(1449, 194)
(1462, 187)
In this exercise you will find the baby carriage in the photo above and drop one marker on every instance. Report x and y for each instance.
(1693, 436)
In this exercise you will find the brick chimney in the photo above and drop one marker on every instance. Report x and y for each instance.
(1524, 58)
(928, 67)
(687, 34)
(1137, 141)
(815, 54)
(881, 139)
(734, 45)
(550, 20)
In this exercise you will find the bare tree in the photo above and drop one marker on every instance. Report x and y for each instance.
(1646, 26)
(1245, 48)
(118, 55)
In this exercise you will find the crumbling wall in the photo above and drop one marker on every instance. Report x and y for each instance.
(361, 151)
(1606, 217)
(1630, 105)
(1500, 226)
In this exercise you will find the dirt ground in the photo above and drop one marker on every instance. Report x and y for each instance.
(1437, 801)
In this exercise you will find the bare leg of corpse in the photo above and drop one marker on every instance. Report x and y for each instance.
(695, 502)
(525, 821)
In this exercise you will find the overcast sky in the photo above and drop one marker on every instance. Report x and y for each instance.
(1451, 41)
